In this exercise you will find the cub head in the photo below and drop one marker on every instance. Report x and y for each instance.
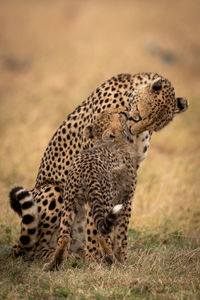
(153, 105)
(109, 128)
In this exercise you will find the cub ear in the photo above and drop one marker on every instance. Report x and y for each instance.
(108, 135)
(89, 132)
(156, 84)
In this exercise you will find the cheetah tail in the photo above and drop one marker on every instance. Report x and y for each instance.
(105, 225)
(22, 202)
(14, 199)
(20, 199)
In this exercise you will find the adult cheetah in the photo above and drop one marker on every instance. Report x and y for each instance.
(146, 99)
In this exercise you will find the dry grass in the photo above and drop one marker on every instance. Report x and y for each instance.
(52, 55)
(157, 268)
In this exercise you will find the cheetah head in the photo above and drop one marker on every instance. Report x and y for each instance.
(153, 106)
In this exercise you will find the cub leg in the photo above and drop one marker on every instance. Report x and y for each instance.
(93, 248)
(121, 234)
(99, 244)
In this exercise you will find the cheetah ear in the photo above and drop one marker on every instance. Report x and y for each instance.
(156, 85)
(108, 135)
(89, 132)
(181, 105)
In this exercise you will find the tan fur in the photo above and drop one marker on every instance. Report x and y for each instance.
(148, 102)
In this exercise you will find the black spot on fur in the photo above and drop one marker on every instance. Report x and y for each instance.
(27, 205)
(52, 205)
(46, 225)
(24, 239)
(53, 220)
(27, 219)
(31, 231)
(22, 195)
(43, 215)
(60, 199)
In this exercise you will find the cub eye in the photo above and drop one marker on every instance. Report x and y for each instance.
(112, 136)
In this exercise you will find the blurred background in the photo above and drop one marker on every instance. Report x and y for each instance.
(53, 54)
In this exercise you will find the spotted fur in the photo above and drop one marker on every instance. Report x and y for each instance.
(104, 178)
(145, 98)
(22, 201)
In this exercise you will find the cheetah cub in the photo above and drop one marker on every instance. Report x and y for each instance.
(103, 179)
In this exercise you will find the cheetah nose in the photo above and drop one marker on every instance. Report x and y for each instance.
(182, 104)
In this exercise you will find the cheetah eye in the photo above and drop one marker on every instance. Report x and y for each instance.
(157, 84)
(157, 88)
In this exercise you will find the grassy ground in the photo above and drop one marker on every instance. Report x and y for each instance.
(52, 55)
(159, 266)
